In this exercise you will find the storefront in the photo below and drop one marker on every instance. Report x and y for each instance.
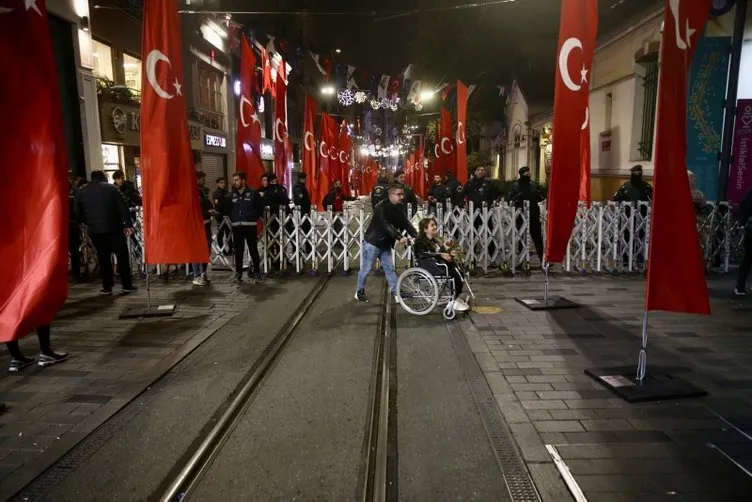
(267, 153)
(214, 156)
(121, 138)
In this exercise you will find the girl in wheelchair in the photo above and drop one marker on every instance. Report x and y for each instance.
(436, 259)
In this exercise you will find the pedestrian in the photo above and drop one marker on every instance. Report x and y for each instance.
(387, 225)
(103, 210)
(74, 232)
(207, 211)
(745, 220)
(47, 356)
(223, 208)
(247, 208)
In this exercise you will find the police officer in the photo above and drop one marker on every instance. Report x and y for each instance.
(74, 232)
(525, 189)
(379, 192)
(437, 195)
(455, 190)
(411, 201)
(635, 190)
(207, 211)
(302, 199)
(480, 192)
(246, 211)
(223, 207)
(275, 198)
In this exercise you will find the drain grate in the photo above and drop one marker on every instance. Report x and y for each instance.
(518, 481)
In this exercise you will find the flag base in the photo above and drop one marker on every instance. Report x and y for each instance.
(549, 303)
(658, 384)
(139, 311)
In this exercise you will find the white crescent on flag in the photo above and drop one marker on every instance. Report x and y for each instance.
(152, 59)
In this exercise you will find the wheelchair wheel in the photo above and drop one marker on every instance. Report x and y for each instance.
(449, 313)
(417, 291)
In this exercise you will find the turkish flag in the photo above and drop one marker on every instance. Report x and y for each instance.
(446, 145)
(461, 136)
(420, 155)
(173, 226)
(33, 192)
(309, 144)
(328, 158)
(266, 73)
(248, 159)
(281, 139)
(676, 276)
(577, 33)
(344, 155)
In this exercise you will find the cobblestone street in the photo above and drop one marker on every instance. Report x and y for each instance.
(686, 450)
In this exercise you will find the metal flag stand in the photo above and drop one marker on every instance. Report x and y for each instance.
(548, 302)
(658, 385)
(148, 310)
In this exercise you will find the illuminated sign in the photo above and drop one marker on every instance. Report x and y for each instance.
(267, 149)
(215, 141)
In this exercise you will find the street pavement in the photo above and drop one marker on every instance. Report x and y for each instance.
(683, 450)
(113, 361)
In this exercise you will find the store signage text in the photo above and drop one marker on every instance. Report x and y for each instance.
(267, 149)
(215, 141)
(124, 122)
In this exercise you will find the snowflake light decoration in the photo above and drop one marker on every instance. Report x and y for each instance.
(360, 97)
(375, 104)
(418, 107)
(345, 97)
(385, 103)
(393, 105)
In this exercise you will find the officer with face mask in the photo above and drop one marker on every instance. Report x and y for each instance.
(634, 191)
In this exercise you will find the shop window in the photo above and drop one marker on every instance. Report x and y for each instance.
(102, 55)
(132, 71)
(210, 90)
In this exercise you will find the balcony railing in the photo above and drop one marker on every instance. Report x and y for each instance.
(107, 90)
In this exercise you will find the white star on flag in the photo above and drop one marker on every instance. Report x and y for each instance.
(32, 4)
(178, 86)
(583, 74)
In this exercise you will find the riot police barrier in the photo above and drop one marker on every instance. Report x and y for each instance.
(607, 238)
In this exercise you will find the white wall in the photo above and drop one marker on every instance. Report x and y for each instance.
(517, 115)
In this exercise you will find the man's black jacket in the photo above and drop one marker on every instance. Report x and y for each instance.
(301, 198)
(102, 208)
(387, 224)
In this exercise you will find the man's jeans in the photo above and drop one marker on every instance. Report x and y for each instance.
(368, 257)
(200, 268)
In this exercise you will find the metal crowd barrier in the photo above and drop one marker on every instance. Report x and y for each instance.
(607, 237)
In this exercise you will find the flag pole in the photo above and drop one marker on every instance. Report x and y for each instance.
(642, 359)
(545, 281)
(140, 311)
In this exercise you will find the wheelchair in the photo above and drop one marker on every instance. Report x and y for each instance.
(419, 291)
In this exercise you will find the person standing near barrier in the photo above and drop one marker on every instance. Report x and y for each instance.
(336, 198)
(223, 207)
(275, 198)
(455, 189)
(207, 211)
(103, 210)
(247, 208)
(47, 356)
(634, 191)
(481, 193)
(438, 195)
(74, 233)
(411, 201)
(525, 189)
(302, 199)
(379, 191)
(745, 220)
(388, 223)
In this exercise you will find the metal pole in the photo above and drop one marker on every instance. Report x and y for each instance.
(545, 281)
(642, 360)
(731, 94)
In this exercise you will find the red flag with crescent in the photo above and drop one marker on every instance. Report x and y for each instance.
(461, 137)
(173, 226)
(328, 157)
(446, 145)
(344, 155)
(309, 144)
(281, 140)
(248, 158)
(33, 192)
(676, 275)
(577, 32)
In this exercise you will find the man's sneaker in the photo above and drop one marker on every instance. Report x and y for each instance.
(205, 278)
(199, 281)
(105, 292)
(740, 292)
(360, 296)
(129, 290)
(17, 365)
(237, 280)
(461, 306)
(52, 358)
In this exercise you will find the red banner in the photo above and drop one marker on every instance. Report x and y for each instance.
(577, 32)
(676, 275)
(421, 188)
(446, 145)
(461, 137)
(173, 227)
(281, 140)
(309, 144)
(344, 156)
(248, 159)
(328, 159)
(33, 192)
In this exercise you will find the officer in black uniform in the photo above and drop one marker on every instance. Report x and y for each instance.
(525, 189)
(635, 190)
(247, 208)
(411, 201)
(379, 192)
(223, 207)
(302, 199)
(455, 190)
(480, 193)
(438, 195)
(207, 211)
(275, 198)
